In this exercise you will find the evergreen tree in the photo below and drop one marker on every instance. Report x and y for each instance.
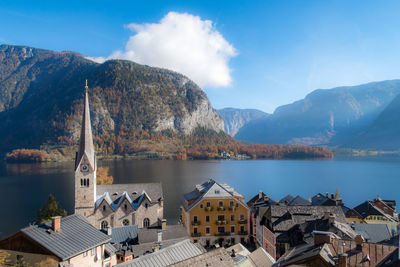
(50, 209)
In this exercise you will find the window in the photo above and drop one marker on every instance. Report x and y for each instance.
(207, 218)
(195, 218)
(125, 207)
(93, 252)
(195, 230)
(201, 206)
(221, 229)
(241, 228)
(241, 216)
(81, 182)
(221, 217)
(104, 207)
(232, 229)
(85, 254)
(221, 203)
(237, 205)
(232, 218)
(125, 222)
(207, 230)
(146, 222)
(84, 182)
(208, 204)
(231, 204)
(146, 205)
(87, 182)
(104, 225)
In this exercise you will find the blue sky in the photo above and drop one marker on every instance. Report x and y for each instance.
(282, 49)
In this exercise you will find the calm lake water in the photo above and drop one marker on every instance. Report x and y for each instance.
(24, 188)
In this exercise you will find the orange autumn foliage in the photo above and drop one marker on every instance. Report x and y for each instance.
(102, 177)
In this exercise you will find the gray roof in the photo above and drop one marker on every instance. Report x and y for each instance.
(86, 139)
(285, 217)
(147, 235)
(120, 235)
(299, 201)
(166, 256)
(75, 236)
(261, 258)
(134, 190)
(373, 233)
(209, 189)
(217, 257)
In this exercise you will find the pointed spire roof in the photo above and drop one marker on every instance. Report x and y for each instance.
(86, 140)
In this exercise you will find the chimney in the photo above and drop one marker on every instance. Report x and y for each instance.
(321, 238)
(359, 242)
(163, 224)
(56, 223)
(343, 260)
(260, 194)
(327, 194)
(109, 230)
(331, 218)
(332, 196)
(327, 214)
(159, 236)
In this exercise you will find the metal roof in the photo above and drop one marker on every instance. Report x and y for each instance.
(120, 235)
(167, 256)
(373, 233)
(75, 236)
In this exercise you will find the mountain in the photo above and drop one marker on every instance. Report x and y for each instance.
(383, 133)
(324, 117)
(235, 118)
(41, 97)
(136, 110)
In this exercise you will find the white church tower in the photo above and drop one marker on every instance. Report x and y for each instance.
(85, 166)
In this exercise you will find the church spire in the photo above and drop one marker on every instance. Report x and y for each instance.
(86, 140)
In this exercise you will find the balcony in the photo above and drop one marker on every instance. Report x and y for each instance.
(221, 222)
(196, 223)
(243, 233)
(222, 234)
(196, 234)
(221, 208)
(232, 208)
(242, 221)
(208, 208)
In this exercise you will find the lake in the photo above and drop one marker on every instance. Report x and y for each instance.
(24, 188)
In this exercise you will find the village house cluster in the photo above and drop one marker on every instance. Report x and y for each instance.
(123, 225)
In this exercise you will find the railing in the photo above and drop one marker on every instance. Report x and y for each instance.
(196, 234)
(232, 208)
(221, 222)
(242, 221)
(221, 208)
(222, 233)
(208, 208)
(243, 233)
(196, 223)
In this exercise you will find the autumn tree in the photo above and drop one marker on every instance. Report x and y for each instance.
(50, 209)
(102, 176)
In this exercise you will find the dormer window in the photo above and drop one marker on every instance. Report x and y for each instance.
(146, 205)
(125, 207)
(104, 207)
(216, 191)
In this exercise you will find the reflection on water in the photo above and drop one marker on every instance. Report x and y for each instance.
(24, 188)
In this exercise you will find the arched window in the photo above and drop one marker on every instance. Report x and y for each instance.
(125, 222)
(104, 225)
(125, 207)
(87, 182)
(84, 182)
(146, 205)
(104, 207)
(81, 182)
(146, 223)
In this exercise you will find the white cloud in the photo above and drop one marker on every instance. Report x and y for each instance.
(183, 43)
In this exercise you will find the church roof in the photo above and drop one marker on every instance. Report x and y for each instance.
(114, 194)
(86, 139)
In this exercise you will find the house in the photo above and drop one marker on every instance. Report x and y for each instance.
(68, 241)
(215, 213)
(276, 220)
(329, 250)
(326, 200)
(373, 212)
(167, 256)
(111, 205)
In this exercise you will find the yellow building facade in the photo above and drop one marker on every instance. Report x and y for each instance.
(214, 213)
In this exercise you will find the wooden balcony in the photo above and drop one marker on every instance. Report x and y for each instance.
(196, 223)
(208, 208)
(232, 208)
(242, 221)
(196, 234)
(221, 222)
(221, 208)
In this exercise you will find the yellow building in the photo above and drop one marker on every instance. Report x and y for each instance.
(214, 213)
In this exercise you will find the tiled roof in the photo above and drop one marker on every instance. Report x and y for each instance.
(284, 217)
(114, 194)
(261, 258)
(209, 189)
(299, 201)
(373, 233)
(286, 199)
(166, 256)
(75, 236)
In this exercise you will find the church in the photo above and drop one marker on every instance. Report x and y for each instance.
(113, 205)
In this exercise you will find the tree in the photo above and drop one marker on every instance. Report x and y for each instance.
(50, 209)
(102, 176)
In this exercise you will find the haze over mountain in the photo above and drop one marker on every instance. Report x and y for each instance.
(325, 117)
(235, 118)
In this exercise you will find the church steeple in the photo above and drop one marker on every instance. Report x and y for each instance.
(86, 140)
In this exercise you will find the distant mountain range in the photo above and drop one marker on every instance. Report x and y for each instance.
(364, 116)
(235, 119)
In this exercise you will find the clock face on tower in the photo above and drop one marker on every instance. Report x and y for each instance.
(84, 168)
